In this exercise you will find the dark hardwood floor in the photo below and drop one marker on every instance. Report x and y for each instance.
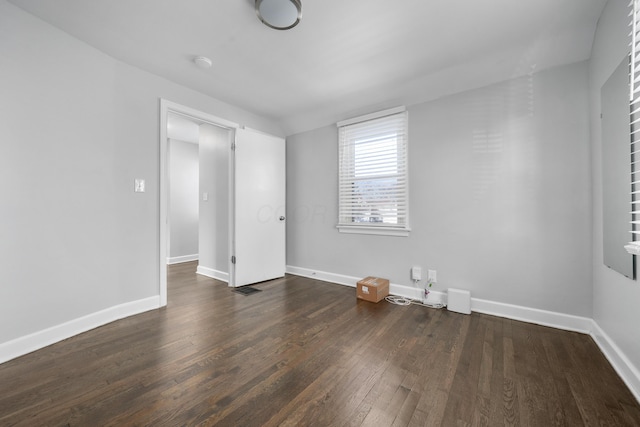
(303, 352)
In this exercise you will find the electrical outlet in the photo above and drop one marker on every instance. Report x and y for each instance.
(432, 276)
(416, 273)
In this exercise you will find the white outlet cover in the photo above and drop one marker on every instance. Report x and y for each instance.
(139, 185)
(432, 276)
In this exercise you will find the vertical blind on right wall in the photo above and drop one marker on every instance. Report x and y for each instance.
(635, 116)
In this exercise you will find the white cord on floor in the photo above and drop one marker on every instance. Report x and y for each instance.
(393, 299)
(437, 305)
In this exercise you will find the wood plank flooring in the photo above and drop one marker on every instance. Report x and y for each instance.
(303, 352)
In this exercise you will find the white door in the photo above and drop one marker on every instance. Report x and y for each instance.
(258, 246)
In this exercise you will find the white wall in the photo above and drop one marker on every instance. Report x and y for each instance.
(499, 196)
(183, 200)
(214, 212)
(77, 128)
(616, 299)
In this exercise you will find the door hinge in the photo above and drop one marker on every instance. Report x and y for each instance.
(233, 146)
(233, 259)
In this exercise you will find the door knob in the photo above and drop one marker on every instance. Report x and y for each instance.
(281, 218)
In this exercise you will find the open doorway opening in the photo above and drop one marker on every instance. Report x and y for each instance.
(198, 217)
(213, 192)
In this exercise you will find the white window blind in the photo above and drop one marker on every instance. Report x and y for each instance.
(635, 117)
(373, 175)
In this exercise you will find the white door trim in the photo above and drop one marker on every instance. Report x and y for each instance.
(165, 108)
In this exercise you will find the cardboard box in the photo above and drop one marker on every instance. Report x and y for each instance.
(372, 289)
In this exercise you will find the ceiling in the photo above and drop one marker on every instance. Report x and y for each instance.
(344, 59)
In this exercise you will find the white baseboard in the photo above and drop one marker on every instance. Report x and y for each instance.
(623, 366)
(323, 275)
(37, 340)
(214, 274)
(183, 258)
(394, 289)
(515, 312)
(553, 319)
(620, 362)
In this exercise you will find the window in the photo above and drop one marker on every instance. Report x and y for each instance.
(373, 184)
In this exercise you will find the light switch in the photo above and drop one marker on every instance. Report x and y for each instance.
(139, 185)
(205, 196)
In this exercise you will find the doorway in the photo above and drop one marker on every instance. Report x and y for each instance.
(198, 220)
(213, 199)
(254, 201)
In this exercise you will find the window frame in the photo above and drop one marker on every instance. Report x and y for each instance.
(634, 127)
(385, 229)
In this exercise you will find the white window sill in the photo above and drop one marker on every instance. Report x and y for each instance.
(633, 248)
(379, 231)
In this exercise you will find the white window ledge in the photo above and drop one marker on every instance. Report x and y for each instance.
(633, 248)
(380, 231)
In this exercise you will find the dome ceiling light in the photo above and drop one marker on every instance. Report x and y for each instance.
(279, 14)
(203, 62)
